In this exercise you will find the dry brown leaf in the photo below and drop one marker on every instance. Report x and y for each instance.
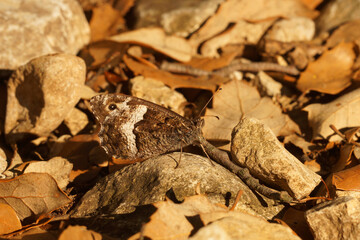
(34, 233)
(232, 11)
(171, 80)
(9, 221)
(79, 233)
(241, 33)
(175, 47)
(331, 73)
(170, 222)
(342, 112)
(299, 142)
(237, 97)
(105, 21)
(311, 4)
(313, 165)
(348, 32)
(32, 194)
(59, 168)
(101, 51)
(348, 180)
(296, 221)
(79, 151)
(345, 157)
(210, 64)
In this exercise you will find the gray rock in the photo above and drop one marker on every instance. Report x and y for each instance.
(255, 146)
(41, 94)
(175, 17)
(33, 28)
(147, 182)
(243, 226)
(337, 219)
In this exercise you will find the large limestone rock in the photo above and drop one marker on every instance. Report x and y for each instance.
(32, 28)
(41, 94)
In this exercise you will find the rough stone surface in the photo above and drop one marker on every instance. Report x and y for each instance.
(155, 91)
(175, 17)
(255, 146)
(149, 181)
(41, 94)
(336, 219)
(244, 226)
(34, 28)
(293, 29)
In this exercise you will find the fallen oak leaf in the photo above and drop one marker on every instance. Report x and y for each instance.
(175, 47)
(232, 11)
(32, 195)
(238, 98)
(105, 21)
(242, 32)
(9, 221)
(171, 80)
(331, 73)
(342, 112)
(347, 32)
(348, 180)
(79, 232)
(170, 220)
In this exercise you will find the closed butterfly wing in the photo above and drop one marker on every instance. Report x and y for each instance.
(132, 128)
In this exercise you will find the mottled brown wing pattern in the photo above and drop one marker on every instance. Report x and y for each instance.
(132, 128)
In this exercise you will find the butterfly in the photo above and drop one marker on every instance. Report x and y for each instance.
(132, 128)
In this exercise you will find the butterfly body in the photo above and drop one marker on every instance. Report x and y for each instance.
(132, 128)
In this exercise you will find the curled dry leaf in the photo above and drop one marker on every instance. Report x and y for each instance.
(237, 98)
(155, 38)
(9, 221)
(79, 232)
(342, 112)
(242, 32)
(59, 168)
(331, 73)
(105, 21)
(172, 80)
(211, 64)
(170, 220)
(348, 180)
(232, 11)
(80, 152)
(348, 32)
(32, 194)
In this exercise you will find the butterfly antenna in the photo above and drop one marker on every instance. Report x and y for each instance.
(208, 102)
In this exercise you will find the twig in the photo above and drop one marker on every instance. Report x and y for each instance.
(236, 65)
(222, 158)
(180, 68)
